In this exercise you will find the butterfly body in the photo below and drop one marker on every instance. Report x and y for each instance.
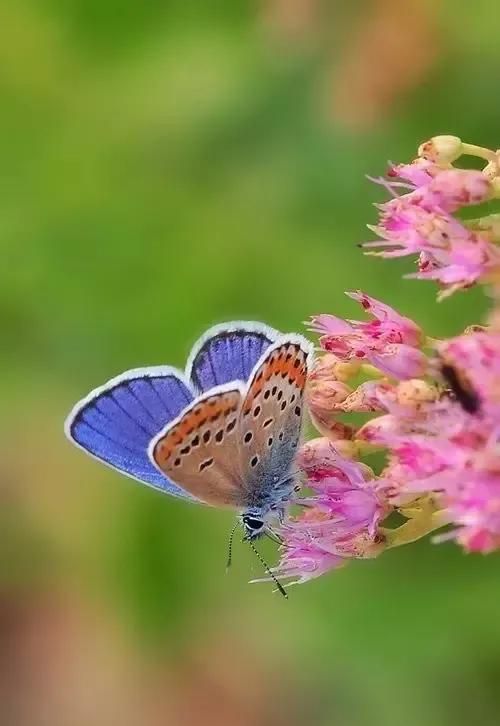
(224, 432)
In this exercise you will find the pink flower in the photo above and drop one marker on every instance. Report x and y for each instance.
(449, 448)
(408, 229)
(329, 474)
(474, 503)
(325, 396)
(414, 461)
(436, 417)
(420, 222)
(366, 397)
(340, 519)
(452, 189)
(470, 492)
(389, 341)
(418, 173)
(461, 265)
(401, 419)
(432, 187)
(304, 559)
(474, 361)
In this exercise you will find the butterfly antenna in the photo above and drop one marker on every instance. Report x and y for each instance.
(268, 570)
(230, 547)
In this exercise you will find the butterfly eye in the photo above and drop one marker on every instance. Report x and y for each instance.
(252, 524)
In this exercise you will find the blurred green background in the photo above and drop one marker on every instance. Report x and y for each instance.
(166, 166)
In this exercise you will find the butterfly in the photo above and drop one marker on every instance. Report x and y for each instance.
(223, 432)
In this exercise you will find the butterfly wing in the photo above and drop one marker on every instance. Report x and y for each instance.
(271, 416)
(147, 424)
(116, 422)
(228, 353)
(199, 450)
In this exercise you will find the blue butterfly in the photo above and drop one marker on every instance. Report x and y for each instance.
(224, 432)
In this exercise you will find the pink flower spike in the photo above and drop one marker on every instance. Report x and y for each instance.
(401, 362)
(303, 560)
(376, 430)
(452, 189)
(329, 325)
(366, 397)
(421, 223)
(319, 456)
(340, 519)
(475, 360)
(463, 265)
(390, 341)
(419, 173)
(324, 397)
(471, 495)
(402, 329)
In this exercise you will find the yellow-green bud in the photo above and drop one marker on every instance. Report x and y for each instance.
(441, 149)
(415, 391)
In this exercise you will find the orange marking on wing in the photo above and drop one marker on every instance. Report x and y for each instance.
(281, 363)
(210, 409)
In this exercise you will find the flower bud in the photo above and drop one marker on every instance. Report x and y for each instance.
(365, 398)
(414, 392)
(376, 430)
(330, 368)
(326, 426)
(324, 396)
(441, 149)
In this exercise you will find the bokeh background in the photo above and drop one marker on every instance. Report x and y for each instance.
(170, 164)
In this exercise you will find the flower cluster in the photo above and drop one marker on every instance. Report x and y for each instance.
(432, 407)
(423, 221)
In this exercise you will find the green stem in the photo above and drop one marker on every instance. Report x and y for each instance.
(419, 526)
(481, 152)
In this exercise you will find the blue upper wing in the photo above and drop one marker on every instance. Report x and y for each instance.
(228, 353)
(116, 422)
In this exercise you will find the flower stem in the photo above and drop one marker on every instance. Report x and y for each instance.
(422, 521)
(480, 151)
